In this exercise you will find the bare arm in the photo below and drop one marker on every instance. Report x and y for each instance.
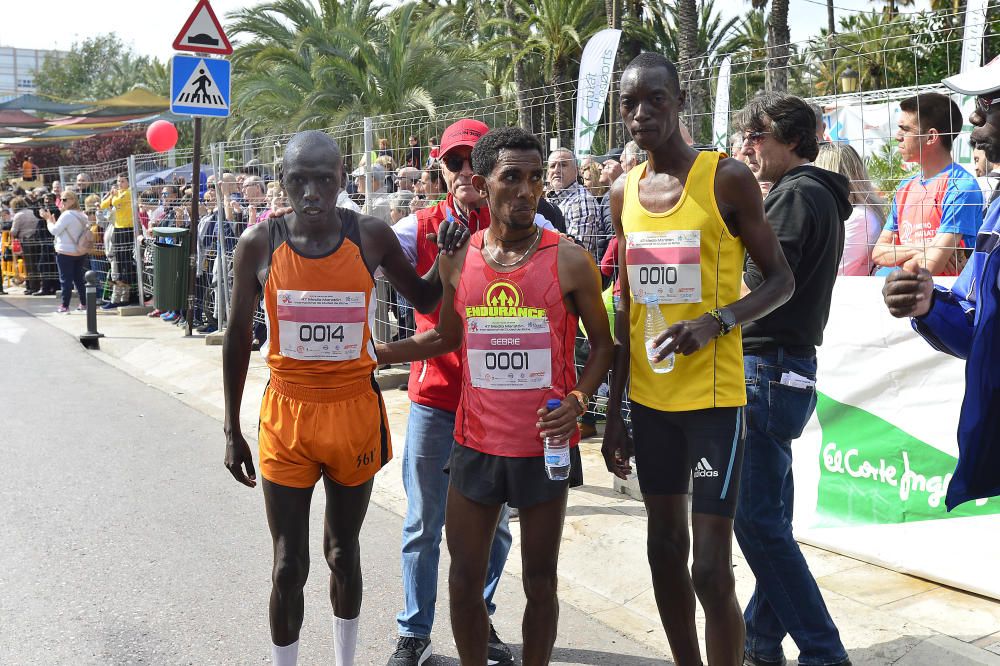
(443, 338)
(936, 257)
(251, 252)
(423, 292)
(744, 215)
(734, 184)
(582, 283)
(618, 448)
(888, 253)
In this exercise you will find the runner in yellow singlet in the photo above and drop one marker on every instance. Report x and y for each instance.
(683, 220)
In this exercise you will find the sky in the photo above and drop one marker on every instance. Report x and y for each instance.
(151, 31)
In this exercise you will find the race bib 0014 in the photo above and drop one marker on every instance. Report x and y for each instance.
(509, 353)
(664, 264)
(321, 325)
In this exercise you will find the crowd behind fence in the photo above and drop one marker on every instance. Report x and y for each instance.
(240, 187)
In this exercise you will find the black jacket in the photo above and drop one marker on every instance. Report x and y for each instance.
(806, 208)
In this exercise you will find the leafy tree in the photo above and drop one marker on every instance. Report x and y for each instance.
(108, 147)
(711, 39)
(100, 67)
(555, 31)
(307, 66)
(778, 41)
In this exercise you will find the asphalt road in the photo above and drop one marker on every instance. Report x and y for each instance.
(125, 540)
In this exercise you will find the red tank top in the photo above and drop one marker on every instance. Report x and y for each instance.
(319, 310)
(518, 351)
(436, 382)
(920, 211)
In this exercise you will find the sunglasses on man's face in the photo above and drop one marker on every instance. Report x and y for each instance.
(454, 163)
(751, 138)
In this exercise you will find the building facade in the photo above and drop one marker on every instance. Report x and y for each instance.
(18, 68)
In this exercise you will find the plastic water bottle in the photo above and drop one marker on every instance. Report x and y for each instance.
(556, 451)
(656, 324)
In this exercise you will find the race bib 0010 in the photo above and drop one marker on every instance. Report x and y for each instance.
(664, 264)
(509, 353)
(321, 325)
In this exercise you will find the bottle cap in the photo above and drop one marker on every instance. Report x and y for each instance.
(553, 404)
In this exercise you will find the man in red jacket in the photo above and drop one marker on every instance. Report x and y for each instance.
(434, 389)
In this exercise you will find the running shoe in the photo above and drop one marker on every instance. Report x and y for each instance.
(62, 309)
(410, 651)
(207, 328)
(155, 313)
(81, 308)
(170, 316)
(498, 653)
(109, 306)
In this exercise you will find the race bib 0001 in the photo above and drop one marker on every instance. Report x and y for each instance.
(321, 325)
(664, 264)
(509, 353)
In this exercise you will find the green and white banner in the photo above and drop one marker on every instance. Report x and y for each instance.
(873, 466)
(597, 66)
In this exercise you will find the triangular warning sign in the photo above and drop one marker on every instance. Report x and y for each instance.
(202, 32)
(201, 91)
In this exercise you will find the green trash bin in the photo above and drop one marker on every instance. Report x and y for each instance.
(170, 268)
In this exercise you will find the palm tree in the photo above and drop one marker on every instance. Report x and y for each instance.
(555, 30)
(711, 37)
(308, 66)
(778, 40)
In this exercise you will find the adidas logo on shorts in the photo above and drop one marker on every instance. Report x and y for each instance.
(703, 470)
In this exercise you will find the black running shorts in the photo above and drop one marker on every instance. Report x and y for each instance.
(489, 479)
(700, 449)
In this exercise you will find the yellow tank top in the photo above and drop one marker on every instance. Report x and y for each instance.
(688, 259)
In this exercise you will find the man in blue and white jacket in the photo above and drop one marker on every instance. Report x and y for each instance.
(964, 321)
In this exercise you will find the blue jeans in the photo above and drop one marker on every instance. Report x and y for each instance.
(71, 271)
(429, 439)
(786, 599)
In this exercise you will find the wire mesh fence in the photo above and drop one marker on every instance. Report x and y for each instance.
(905, 212)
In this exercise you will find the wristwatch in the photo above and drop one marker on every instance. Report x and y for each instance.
(582, 398)
(726, 319)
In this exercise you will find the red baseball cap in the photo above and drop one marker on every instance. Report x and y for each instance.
(465, 132)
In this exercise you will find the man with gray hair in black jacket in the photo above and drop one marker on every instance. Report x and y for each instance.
(806, 206)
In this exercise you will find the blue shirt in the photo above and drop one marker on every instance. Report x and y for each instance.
(964, 321)
(956, 196)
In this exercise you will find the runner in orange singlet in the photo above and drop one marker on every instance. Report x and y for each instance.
(322, 414)
(517, 294)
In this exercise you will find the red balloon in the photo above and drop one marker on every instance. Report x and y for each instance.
(161, 135)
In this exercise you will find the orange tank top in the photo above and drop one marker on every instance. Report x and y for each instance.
(519, 349)
(319, 310)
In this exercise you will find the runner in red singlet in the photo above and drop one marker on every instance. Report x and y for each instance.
(518, 292)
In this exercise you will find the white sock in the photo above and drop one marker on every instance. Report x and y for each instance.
(345, 640)
(285, 655)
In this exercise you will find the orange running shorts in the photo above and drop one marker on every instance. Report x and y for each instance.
(342, 432)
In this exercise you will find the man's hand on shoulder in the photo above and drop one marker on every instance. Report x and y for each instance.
(450, 236)
(908, 294)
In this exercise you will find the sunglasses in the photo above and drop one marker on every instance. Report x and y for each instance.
(984, 104)
(65, 198)
(754, 137)
(454, 163)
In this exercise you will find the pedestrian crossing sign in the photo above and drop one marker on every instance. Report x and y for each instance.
(199, 86)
